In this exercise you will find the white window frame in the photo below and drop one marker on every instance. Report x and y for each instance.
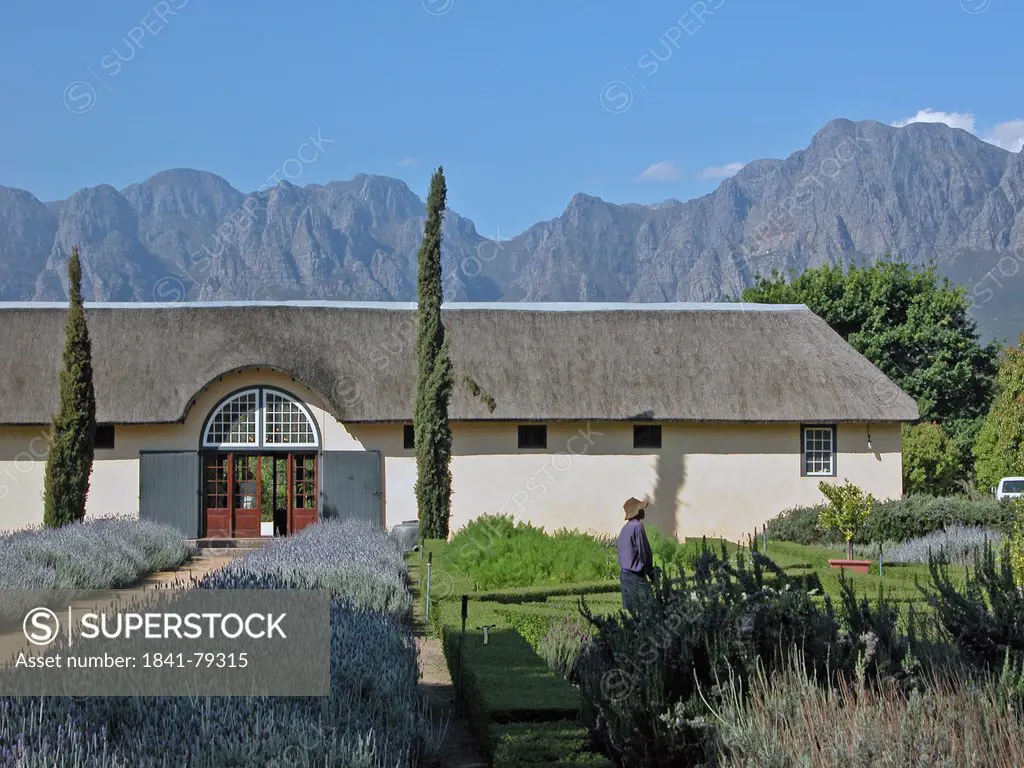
(302, 409)
(806, 431)
(261, 422)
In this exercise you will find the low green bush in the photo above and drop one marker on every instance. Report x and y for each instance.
(561, 744)
(895, 520)
(540, 594)
(496, 552)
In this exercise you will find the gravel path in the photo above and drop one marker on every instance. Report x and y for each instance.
(460, 749)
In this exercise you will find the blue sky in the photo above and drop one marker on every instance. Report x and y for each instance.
(525, 102)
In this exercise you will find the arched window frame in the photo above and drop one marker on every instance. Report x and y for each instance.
(260, 442)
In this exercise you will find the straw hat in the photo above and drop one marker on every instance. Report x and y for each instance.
(634, 507)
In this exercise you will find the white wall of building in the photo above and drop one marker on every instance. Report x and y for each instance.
(715, 480)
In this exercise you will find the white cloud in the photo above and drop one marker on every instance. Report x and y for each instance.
(962, 120)
(1008, 135)
(407, 161)
(666, 170)
(720, 171)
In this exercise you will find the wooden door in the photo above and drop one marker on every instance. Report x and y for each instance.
(217, 495)
(246, 497)
(302, 491)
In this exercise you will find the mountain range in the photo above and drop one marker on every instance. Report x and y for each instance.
(924, 193)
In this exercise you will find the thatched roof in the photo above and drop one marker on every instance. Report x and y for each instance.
(692, 362)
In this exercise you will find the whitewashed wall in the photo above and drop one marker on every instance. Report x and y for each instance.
(705, 480)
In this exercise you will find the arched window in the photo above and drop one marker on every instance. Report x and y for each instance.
(260, 417)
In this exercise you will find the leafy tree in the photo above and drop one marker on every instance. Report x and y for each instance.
(433, 436)
(908, 321)
(999, 451)
(847, 510)
(911, 323)
(931, 462)
(1016, 546)
(69, 462)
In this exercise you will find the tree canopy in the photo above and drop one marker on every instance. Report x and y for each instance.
(999, 451)
(910, 322)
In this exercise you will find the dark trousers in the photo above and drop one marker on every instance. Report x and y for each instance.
(636, 591)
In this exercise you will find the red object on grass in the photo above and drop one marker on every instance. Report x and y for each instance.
(857, 566)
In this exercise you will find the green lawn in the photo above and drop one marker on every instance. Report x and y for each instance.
(898, 583)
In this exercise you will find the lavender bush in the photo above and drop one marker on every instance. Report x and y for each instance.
(373, 718)
(957, 545)
(99, 554)
(562, 645)
(791, 719)
(350, 558)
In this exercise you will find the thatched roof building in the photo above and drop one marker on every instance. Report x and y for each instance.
(688, 362)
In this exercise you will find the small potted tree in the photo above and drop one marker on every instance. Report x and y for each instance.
(848, 508)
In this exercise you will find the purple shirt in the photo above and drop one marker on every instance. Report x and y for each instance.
(634, 549)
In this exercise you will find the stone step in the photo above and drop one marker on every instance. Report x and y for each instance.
(248, 544)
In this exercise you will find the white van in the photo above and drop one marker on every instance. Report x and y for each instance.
(1010, 488)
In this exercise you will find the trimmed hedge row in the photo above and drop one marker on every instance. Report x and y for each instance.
(895, 520)
(488, 696)
(560, 744)
(540, 594)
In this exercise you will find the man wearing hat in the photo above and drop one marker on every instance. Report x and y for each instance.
(635, 559)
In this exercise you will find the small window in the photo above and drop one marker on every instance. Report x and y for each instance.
(104, 436)
(647, 435)
(533, 436)
(819, 452)
(409, 437)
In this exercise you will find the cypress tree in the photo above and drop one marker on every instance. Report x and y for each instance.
(433, 436)
(69, 462)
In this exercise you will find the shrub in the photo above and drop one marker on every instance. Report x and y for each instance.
(562, 645)
(94, 555)
(790, 719)
(895, 520)
(495, 552)
(957, 545)
(351, 558)
(800, 525)
(723, 620)
(931, 461)
(984, 617)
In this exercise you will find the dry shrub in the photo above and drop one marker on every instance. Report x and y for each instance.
(789, 720)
